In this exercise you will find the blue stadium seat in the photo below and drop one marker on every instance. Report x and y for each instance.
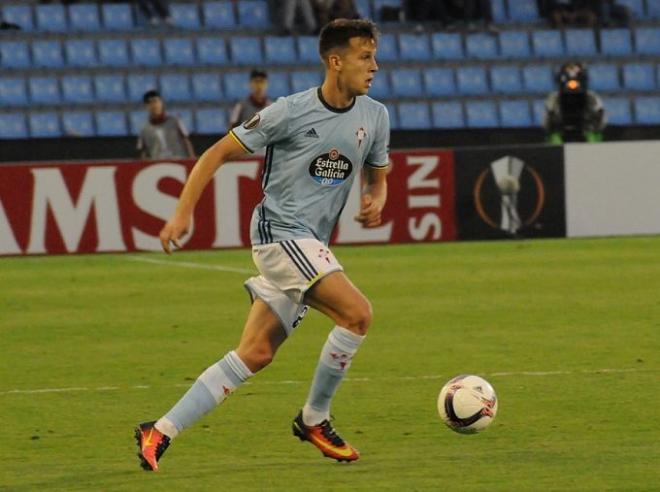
(448, 115)
(146, 52)
(253, 13)
(393, 115)
(12, 125)
(303, 80)
(604, 77)
(515, 114)
(13, 92)
(236, 86)
(481, 114)
(77, 124)
(414, 116)
(278, 84)
(136, 120)
(538, 79)
(380, 85)
(364, 8)
(407, 83)
(379, 4)
(647, 40)
(653, 8)
(211, 51)
(439, 82)
(639, 76)
(280, 50)
(617, 110)
(387, 50)
(615, 42)
(514, 44)
(44, 125)
(210, 121)
(117, 17)
(207, 87)
(185, 15)
(77, 89)
(175, 87)
(538, 111)
(44, 90)
(447, 46)
(179, 51)
(246, 50)
(80, 53)
(523, 10)
(138, 84)
(110, 88)
(547, 44)
(506, 79)
(111, 124)
(414, 47)
(219, 15)
(647, 110)
(185, 116)
(636, 7)
(472, 80)
(113, 52)
(14, 54)
(84, 17)
(47, 54)
(481, 46)
(580, 42)
(51, 18)
(308, 51)
(20, 15)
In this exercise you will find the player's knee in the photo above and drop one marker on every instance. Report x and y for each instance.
(257, 356)
(359, 318)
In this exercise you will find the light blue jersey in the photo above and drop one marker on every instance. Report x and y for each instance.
(313, 154)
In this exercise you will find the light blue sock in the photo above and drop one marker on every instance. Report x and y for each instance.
(210, 389)
(336, 356)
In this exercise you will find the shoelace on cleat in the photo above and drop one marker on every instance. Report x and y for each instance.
(329, 433)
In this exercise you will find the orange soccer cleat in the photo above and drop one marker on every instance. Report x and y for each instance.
(324, 437)
(152, 444)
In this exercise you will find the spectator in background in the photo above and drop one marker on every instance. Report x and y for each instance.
(163, 136)
(452, 14)
(287, 10)
(255, 102)
(573, 112)
(155, 10)
(570, 13)
(611, 13)
(329, 10)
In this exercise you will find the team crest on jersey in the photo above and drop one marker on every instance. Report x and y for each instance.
(361, 133)
(331, 169)
(252, 122)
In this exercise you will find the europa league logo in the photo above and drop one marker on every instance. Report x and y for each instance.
(520, 193)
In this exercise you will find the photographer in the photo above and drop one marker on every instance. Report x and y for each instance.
(573, 112)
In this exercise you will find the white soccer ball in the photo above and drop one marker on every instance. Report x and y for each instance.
(467, 404)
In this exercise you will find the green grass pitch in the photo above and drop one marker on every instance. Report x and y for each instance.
(567, 331)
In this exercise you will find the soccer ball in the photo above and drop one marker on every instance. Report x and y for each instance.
(467, 404)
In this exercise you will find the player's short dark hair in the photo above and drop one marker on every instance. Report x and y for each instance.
(336, 34)
(149, 95)
(258, 74)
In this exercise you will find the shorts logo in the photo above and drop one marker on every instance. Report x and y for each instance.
(331, 169)
(252, 122)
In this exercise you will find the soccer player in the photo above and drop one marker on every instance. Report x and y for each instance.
(318, 141)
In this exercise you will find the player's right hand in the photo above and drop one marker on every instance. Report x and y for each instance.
(176, 227)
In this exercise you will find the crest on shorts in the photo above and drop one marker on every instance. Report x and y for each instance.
(252, 122)
(361, 133)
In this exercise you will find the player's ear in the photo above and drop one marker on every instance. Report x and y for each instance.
(334, 62)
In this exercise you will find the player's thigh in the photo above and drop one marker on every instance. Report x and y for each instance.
(337, 297)
(262, 336)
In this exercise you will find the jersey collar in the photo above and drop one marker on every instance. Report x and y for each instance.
(319, 93)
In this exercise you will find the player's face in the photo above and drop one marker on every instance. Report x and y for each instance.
(259, 87)
(155, 106)
(359, 65)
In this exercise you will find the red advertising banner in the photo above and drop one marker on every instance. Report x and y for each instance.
(59, 208)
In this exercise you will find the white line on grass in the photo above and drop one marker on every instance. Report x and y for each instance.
(353, 380)
(190, 264)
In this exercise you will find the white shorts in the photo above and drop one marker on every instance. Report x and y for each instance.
(288, 269)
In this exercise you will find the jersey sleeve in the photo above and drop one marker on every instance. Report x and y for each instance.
(264, 128)
(379, 153)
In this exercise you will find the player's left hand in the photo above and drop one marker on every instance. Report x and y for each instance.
(370, 211)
